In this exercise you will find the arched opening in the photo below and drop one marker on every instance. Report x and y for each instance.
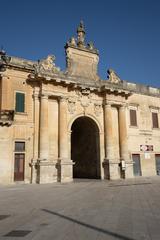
(85, 149)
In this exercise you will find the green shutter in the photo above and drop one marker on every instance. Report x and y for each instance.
(20, 102)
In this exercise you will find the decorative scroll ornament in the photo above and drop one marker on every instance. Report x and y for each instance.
(71, 105)
(113, 77)
(84, 97)
(97, 109)
(85, 101)
(46, 65)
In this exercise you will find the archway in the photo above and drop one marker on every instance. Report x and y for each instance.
(85, 149)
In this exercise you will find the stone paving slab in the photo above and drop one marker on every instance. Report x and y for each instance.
(83, 210)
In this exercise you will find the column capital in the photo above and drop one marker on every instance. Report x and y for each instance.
(62, 98)
(53, 99)
(43, 96)
(107, 103)
(123, 106)
(35, 96)
(4, 75)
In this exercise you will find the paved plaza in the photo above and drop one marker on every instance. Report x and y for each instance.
(83, 210)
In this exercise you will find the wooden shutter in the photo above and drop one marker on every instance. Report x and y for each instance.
(20, 102)
(155, 120)
(133, 117)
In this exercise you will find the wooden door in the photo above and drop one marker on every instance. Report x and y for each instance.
(19, 166)
(136, 165)
(157, 157)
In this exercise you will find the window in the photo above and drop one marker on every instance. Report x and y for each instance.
(20, 98)
(19, 146)
(133, 117)
(155, 120)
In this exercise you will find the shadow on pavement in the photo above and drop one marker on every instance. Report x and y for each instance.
(104, 231)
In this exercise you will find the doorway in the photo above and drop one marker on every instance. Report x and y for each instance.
(19, 167)
(157, 158)
(85, 148)
(136, 165)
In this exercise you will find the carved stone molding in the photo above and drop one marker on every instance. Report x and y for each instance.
(63, 98)
(85, 101)
(71, 105)
(6, 117)
(97, 109)
(46, 65)
(84, 97)
(113, 77)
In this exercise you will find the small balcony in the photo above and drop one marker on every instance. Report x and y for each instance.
(6, 117)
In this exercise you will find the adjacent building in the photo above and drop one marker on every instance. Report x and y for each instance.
(58, 125)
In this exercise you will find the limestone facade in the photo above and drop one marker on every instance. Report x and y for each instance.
(58, 125)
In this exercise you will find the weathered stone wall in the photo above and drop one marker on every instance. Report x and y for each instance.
(22, 128)
(143, 133)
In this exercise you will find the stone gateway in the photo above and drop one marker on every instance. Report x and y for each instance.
(58, 125)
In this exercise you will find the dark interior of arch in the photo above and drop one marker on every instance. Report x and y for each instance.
(85, 148)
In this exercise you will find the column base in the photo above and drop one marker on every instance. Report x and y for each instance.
(46, 171)
(65, 167)
(111, 169)
(129, 170)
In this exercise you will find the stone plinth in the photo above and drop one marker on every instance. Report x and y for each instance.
(129, 170)
(111, 170)
(46, 171)
(114, 170)
(65, 170)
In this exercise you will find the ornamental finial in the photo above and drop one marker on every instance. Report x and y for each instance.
(81, 34)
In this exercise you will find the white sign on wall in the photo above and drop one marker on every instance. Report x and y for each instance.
(147, 155)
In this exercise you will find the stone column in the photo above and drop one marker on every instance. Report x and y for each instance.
(53, 129)
(65, 164)
(63, 131)
(46, 169)
(123, 140)
(36, 136)
(111, 165)
(44, 138)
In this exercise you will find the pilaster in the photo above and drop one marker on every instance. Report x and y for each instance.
(65, 165)
(127, 172)
(111, 164)
(36, 123)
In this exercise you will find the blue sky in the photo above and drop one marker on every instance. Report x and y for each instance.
(126, 33)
